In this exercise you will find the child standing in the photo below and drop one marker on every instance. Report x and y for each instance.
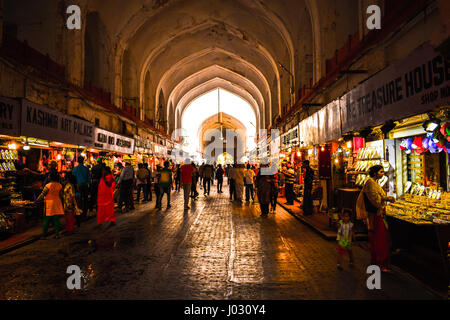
(344, 237)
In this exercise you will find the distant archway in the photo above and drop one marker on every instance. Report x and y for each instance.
(225, 158)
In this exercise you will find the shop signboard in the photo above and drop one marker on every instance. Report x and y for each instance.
(292, 136)
(160, 150)
(44, 123)
(309, 131)
(142, 145)
(415, 85)
(9, 117)
(284, 141)
(110, 141)
(275, 148)
(329, 122)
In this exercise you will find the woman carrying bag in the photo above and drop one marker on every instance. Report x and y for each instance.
(52, 195)
(371, 205)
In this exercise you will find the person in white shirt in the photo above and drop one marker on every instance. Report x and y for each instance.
(249, 176)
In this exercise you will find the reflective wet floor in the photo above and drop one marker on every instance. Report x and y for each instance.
(215, 250)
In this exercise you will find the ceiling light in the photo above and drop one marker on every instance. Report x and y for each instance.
(26, 147)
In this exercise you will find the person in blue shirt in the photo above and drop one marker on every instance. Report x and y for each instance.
(83, 176)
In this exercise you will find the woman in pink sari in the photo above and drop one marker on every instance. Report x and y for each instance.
(105, 198)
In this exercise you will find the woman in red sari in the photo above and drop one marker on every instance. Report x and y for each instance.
(105, 198)
(375, 204)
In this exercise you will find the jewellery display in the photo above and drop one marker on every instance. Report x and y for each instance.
(422, 209)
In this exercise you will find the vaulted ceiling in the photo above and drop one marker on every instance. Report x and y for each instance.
(167, 52)
(159, 55)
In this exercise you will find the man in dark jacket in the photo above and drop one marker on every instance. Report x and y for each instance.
(96, 175)
(148, 194)
(308, 184)
(264, 185)
(207, 176)
(126, 181)
(219, 176)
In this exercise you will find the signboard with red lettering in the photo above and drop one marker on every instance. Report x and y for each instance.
(417, 84)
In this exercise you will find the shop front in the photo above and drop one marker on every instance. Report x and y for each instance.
(315, 152)
(31, 137)
(143, 151)
(160, 153)
(114, 148)
(406, 109)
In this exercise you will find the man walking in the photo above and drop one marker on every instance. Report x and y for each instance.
(290, 179)
(156, 176)
(165, 184)
(207, 175)
(83, 177)
(96, 175)
(238, 177)
(142, 175)
(231, 183)
(148, 193)
(200, 174)
(126, 180)
(194, 193)
(264, 188)
(186, 171)
(249, 176)
(307, 191)
(178, 178)
(219, 177)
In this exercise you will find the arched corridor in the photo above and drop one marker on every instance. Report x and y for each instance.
(335, 111)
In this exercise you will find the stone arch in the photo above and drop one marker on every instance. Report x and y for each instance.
(269, 71)
(213, 84)
(254, 77)
(229, 123)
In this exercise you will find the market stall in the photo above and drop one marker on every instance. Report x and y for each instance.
(114, 148)
(31, 138)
